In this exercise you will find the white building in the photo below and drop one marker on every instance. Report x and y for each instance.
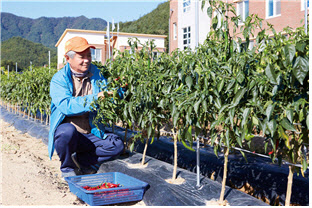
(185, 21)
(99, 39)
(187, 17)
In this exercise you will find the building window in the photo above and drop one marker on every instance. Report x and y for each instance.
(302, 4)
(156, 54)
(186, 5)
(186, 37)
(243, 10)
(96, 54)
(244, 46)
(174, 31)
(273, 8)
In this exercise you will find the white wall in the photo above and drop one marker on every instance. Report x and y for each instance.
(123, 40)
(204, 22)
(92, 38)
(98, 38)
(188, 19)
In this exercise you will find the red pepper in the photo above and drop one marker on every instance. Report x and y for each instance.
(276, 146)
(102, 186)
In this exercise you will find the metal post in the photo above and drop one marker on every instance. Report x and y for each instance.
(109, 45)
(169, 41)
(8, 71)
(16, 66)
(197, 164)
(196, 24)
(197, 139)
(306, 16)
(30, 66)
(49, 59)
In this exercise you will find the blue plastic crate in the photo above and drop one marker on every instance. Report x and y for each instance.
(132, 189)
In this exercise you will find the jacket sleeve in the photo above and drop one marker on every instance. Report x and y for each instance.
(63, 100)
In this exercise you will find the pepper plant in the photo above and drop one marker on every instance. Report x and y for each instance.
(286, 109)
(229, 76)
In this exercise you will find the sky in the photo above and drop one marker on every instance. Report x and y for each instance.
(119, 10)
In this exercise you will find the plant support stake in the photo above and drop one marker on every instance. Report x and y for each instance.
(197, 164)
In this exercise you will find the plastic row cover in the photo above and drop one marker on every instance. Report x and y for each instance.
(266, 179)
(161, 193)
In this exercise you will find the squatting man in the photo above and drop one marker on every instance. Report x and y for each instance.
(80, 146)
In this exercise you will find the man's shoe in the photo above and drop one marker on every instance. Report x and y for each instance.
(81, 170)
(68, 174)
(87, 170)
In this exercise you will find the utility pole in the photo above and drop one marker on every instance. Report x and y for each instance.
(196, 24)
(109, 55)
(306, 16)
(49, 58)
(170, 32)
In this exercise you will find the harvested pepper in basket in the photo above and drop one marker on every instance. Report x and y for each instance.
(102, 186)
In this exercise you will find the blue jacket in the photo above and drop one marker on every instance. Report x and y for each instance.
(64, 104)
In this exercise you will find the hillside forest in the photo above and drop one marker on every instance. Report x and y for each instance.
(25, 40)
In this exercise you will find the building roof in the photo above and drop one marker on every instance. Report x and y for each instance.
(104, 32)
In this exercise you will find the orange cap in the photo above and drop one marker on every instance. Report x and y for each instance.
(77, 44)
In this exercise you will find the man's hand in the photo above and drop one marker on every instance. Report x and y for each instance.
(102, 94)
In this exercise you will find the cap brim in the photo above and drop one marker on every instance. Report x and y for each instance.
(83, 48)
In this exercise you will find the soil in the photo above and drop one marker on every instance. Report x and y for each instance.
(217, 203)
(137, 165)
(177, 181)
(28, 176)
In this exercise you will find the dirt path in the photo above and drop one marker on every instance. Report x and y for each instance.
(28, 177)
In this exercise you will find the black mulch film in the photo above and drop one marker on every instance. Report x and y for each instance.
(267, 180)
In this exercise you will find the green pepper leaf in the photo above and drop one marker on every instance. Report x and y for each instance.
(196, 106)
(238, 96)
(187, 147)
(290, 52)
(272, 125)
(270, 73)
(290, 114)
(245, 116)
(189, 81)
(220, 85)
(269, 111)
(283, 135)
(287, 125)
(300, 68)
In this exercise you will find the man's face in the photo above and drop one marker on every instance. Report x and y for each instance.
(81, 61)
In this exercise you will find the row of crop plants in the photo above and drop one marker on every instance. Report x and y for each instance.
(27, 93)
(222, 90)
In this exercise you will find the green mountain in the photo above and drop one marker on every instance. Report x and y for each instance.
(45, 30)
(25, 39)
(155, 22)
(23, 51)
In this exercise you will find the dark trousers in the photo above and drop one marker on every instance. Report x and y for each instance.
(90, 149)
